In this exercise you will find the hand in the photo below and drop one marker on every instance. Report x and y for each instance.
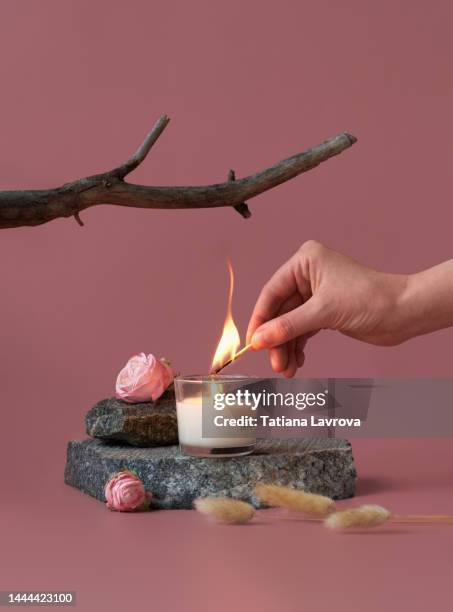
(321, 289)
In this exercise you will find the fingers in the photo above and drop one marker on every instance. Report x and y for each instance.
(275, 292)
(291, 367)
(300, 347)
(280, 322)
(306, 318)
(279, 355)
(293, 276)
(287, 358)
(301, 343)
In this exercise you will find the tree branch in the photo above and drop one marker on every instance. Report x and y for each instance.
(241, 208)
(34, 207)
(139, 155)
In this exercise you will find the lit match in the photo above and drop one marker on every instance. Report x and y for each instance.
(244, 350)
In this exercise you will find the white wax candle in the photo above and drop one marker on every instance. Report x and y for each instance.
(190, 425)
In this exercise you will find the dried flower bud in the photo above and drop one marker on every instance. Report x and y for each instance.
(363, 516)
(284, 497)
(225, 509)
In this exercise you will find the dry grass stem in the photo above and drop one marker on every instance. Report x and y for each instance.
(422, 518)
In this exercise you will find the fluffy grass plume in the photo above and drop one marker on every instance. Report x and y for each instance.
(225, 509)
(284, 497)
(363, 516)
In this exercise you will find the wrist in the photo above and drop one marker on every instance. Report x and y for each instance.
(409, 308)
(427, 301)
(398, 316)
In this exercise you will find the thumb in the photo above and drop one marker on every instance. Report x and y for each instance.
(302, 320)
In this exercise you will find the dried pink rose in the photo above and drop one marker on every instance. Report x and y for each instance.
(125, 492)
(143, 378)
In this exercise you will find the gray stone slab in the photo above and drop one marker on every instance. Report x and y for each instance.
(324, 466)
(142, 424)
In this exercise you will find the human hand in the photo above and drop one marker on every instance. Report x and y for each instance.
(318, 288)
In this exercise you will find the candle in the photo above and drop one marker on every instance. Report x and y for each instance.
(195, 401)
(195, 397)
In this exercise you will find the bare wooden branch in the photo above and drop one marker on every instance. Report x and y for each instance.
(137, 158)
(241, 208)
(78, 219)
(34, 207)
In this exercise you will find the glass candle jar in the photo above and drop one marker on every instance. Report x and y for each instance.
(196, 401)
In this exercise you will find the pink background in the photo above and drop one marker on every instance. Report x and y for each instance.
(246, 83)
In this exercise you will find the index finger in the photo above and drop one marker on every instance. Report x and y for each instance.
(275, 292)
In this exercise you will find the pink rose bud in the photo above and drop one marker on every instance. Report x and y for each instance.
(143, 378)
(125, 492)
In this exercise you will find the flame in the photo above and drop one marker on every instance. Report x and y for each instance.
(230, 340)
